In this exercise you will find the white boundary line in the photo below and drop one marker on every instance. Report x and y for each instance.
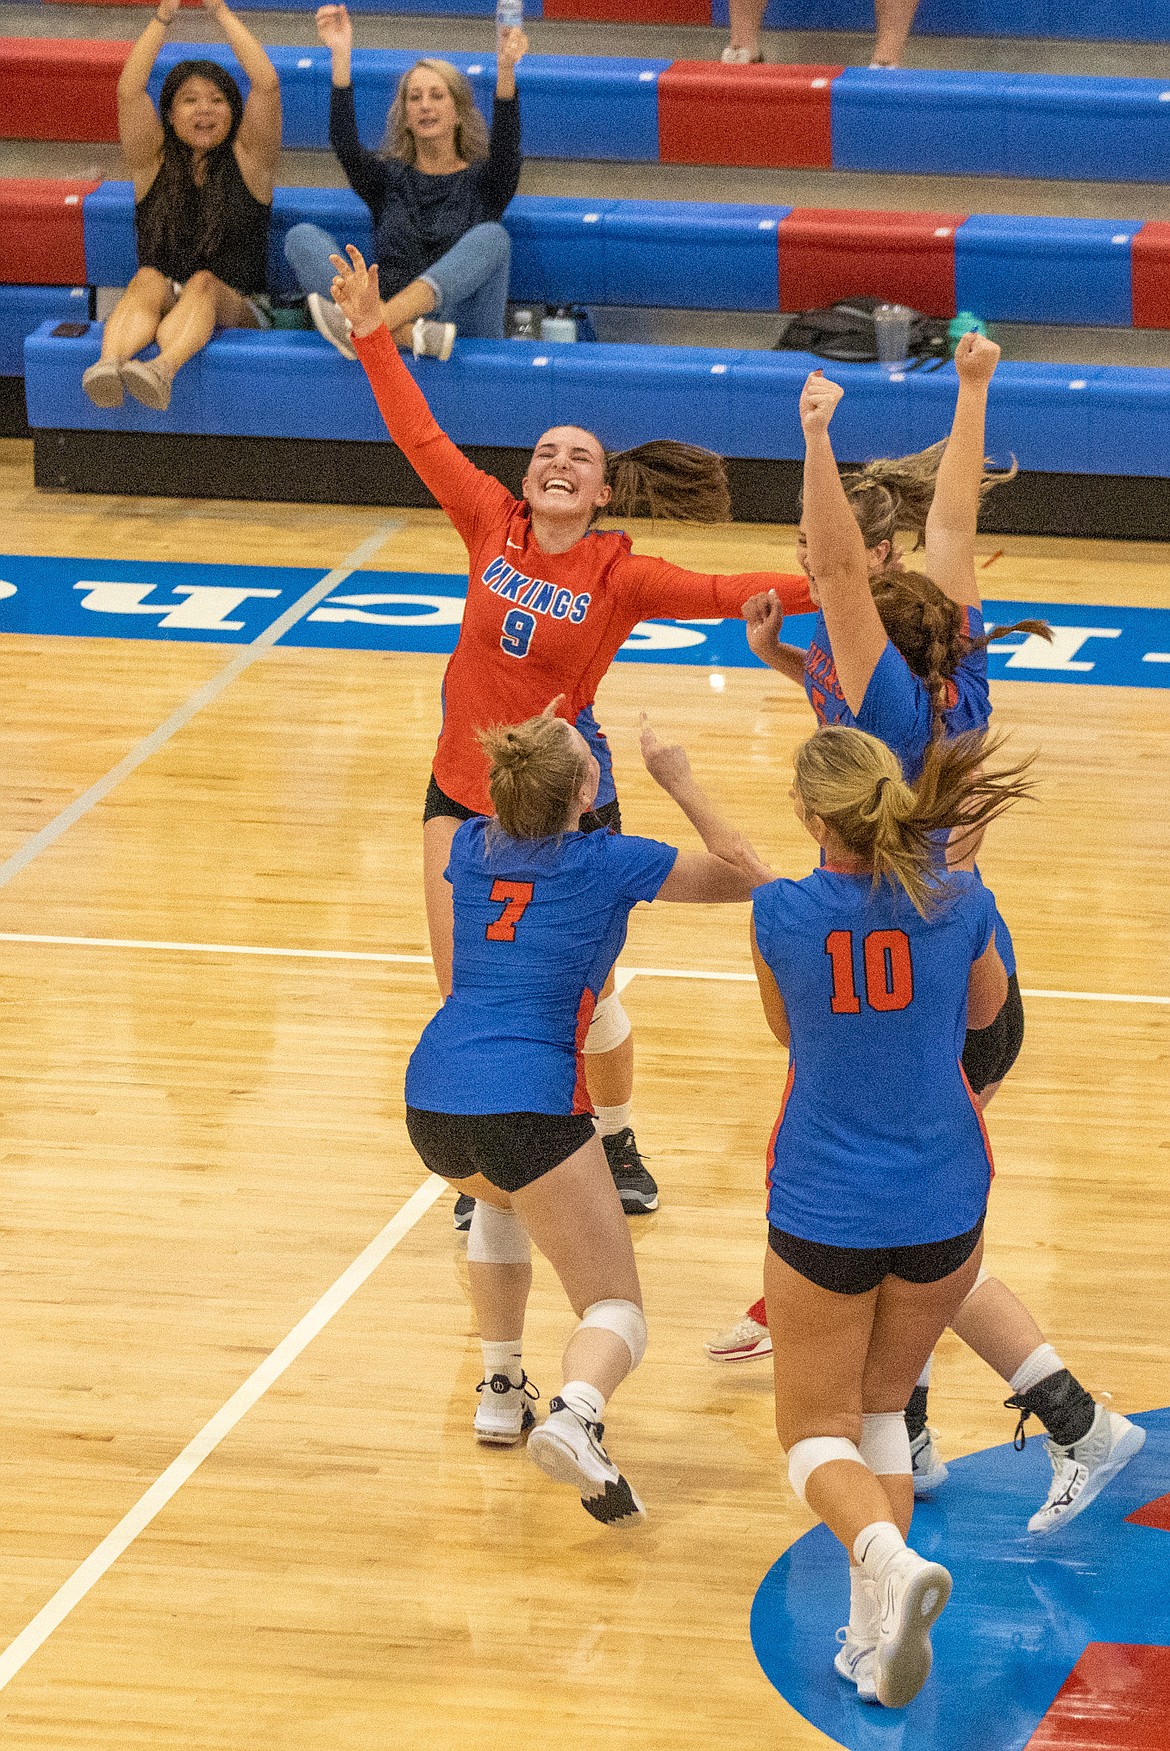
(148, 1506)
(622, 979)
(202, 696)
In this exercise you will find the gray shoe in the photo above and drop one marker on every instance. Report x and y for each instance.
(103, 384)
(331, 323)
(147, 384)
(432, 340)
(1081, 1472)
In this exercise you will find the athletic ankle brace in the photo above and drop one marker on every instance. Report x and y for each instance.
(610, 1026)
(807, 1456)
(915, 1416)
(625, 1319)
(1063, 1406)
(885, 1444)
(497, 1237)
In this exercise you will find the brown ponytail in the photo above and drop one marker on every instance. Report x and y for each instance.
(665, 479)
(894, 494)
(536, 771)
(927, 628)
(855, 784)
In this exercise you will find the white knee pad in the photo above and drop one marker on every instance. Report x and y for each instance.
(624, 1319)
(806, 1456)
(497, 1237)
(609, 1027)
(885, 1444)
(976, 1285)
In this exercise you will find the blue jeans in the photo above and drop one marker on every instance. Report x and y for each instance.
(470, 281)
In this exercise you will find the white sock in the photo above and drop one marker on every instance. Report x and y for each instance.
(1034, 1368)
(502, 1358)
(864, 1605)
(584, 1399)
(924, 1377)
(610, 1120)
(875, 1545)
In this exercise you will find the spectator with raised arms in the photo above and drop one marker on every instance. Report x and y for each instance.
(203, 166)
(436, 191)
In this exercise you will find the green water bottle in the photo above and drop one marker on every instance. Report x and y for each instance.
(966, 322)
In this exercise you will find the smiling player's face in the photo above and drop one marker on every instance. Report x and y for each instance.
(566, 476)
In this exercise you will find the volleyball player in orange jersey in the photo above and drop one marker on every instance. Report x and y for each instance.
(550, 602)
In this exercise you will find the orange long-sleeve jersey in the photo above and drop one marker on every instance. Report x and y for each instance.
(536, 624)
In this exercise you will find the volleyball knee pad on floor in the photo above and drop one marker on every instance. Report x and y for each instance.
(806, 1456)
(497, 1237)
(610, 1026)
(625, 1319)
(885, 1444)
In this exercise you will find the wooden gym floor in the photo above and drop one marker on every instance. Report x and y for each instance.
(197, 1145)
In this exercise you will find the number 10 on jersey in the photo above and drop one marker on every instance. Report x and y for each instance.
(889, 973)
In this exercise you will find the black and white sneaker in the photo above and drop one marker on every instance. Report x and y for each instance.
(636, 1188)
(464, 1211)
(503, 1415)
(568, 1449)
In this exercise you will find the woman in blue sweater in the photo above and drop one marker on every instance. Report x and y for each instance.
(436, 190)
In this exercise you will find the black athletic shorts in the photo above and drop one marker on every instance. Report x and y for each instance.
(855, 1270)
(509, 1149)
(439, 803)
(989, 1052)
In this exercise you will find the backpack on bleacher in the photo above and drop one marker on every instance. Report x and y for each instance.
(845, 332)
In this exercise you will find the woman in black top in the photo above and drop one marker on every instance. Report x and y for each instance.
(203, 166)
(436, 191)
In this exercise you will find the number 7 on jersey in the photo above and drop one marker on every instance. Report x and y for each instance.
(516, 898)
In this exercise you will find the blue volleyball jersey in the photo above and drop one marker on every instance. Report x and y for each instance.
(897, 709)
(538, 925)
(878, 1142)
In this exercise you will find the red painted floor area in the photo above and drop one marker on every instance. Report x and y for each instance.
(1116, 1698)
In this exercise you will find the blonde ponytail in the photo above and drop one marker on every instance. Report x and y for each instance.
(856, 785)
(894, 494)
(536, 772)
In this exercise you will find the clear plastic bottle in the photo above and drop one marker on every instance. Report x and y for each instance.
(509, 16)
(523, 324)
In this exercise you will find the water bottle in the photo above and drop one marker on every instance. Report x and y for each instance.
(509, 16)
(523, 325)
(561, 327)
(964, 323)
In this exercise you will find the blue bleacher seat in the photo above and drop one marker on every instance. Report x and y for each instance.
(285, 384)
(111, 252)
(24, 308)
(692, 255)
(629, 394)
(557, 249)
(1011, 268)
(1130, 421)
(1041, 414)
(584, 106)
(52, 384)
(919, 122)
(1113, 130)
(1119, 21)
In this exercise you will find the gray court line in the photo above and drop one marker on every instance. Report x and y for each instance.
(190, 708)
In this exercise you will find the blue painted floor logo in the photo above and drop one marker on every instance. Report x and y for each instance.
(1041, 1633)
(422, 611)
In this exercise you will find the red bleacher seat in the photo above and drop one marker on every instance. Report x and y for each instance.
(42, 241)
(760, 115)
(59, 89)
(1150, 267)
(908, 258)
(622, 11)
